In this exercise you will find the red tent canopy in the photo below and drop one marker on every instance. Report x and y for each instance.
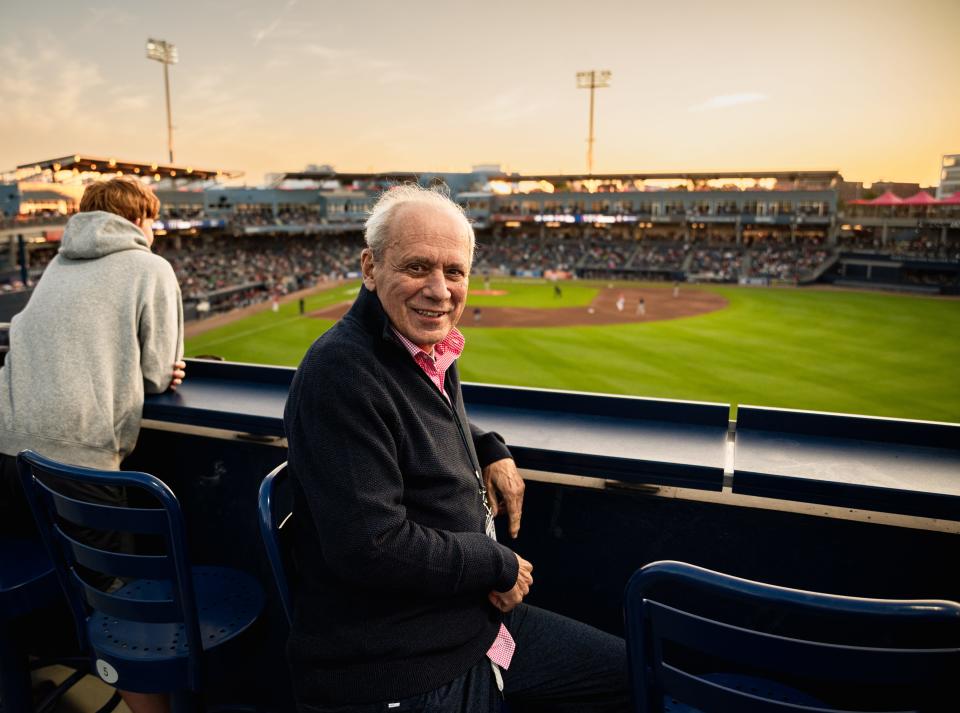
(951, 200)
(888, 198)
(921, 198)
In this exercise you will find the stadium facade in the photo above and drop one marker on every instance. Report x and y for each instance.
(746, 227)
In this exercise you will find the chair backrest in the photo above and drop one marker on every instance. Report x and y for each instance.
(275, 514)
(63, 501)
(688, 627)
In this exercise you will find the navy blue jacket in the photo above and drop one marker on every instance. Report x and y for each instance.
(394, 566)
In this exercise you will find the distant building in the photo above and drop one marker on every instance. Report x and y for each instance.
(901, 190)
(851, 191)
(949, 176)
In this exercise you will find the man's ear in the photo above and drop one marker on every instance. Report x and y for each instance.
(367, 268)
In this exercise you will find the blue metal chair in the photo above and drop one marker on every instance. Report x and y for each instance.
(27, 585)
(274, 506)
(163, 630)
(702, 640)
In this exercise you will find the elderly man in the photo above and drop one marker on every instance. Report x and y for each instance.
(406, 601)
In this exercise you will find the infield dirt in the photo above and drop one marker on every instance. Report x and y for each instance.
(659, 304)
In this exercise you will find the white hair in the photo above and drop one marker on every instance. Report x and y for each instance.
(377, 227)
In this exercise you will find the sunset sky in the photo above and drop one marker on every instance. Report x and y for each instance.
(869, 88)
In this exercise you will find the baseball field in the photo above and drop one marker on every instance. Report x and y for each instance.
(826, 350)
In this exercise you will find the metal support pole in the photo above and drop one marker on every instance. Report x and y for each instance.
(166, 87)
(165, 53)
(592, 80)
(593, 88)
(22, 259)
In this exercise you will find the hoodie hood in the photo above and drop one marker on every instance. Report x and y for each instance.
(97, 233)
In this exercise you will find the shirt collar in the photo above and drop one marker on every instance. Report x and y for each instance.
(452, 343)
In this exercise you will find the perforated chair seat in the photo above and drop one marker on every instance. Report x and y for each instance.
(228, 602)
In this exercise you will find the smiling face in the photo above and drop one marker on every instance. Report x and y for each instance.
(421, 277)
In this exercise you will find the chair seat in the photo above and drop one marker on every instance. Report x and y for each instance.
(144, 656)
(27, 579)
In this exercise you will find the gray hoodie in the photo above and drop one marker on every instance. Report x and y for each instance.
(104, 324)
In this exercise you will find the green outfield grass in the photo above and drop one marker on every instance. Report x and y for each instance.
(853, 352)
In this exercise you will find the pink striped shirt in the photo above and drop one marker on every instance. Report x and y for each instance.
(444, 354)
(435, 366)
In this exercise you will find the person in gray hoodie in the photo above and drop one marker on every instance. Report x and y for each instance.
(103, 326)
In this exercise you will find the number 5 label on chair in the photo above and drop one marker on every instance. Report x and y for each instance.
(107, 672)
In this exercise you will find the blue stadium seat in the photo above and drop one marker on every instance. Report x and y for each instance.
(166, 624)
(274, 507)
(706, 641)
(27, 584)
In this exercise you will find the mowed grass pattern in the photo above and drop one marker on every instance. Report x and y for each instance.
(853, 352)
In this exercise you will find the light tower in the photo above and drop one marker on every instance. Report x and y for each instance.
(166, 54)
(594, 79)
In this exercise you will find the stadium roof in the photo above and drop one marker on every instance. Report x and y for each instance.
(349, 177)
(111, 165)
(678, 175)
(556, 178)
(401, 175)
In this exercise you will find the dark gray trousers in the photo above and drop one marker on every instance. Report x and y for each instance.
(560, 665)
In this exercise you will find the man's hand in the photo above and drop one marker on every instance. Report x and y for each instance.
(505, 489)
(179, 374)
(507, 601)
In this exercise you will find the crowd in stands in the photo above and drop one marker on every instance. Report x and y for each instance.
(606, 253)
(910, 244)
(925, 248)
(228, 272)
(259, 216)
(263, 216)
(298, 215)
(786, 263)
(40, 217)
(716, 264)
(523, 252)
(40, 257)
(175, 212)
(660, 257)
